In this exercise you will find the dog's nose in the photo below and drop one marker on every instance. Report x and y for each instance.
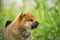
(35, 25)
(37, 22)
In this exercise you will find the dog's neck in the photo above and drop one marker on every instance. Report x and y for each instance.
(21, 31)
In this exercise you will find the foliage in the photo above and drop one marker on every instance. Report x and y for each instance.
(48, 17)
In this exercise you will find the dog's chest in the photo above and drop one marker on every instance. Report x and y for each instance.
(26, 35)
(29, 37)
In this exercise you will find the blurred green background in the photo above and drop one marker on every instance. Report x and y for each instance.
(47, 12)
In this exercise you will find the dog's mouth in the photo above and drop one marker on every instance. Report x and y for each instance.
(35, 25)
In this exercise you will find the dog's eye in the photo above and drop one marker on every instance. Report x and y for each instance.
(30, 20)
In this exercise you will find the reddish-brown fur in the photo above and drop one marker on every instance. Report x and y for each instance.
(14, 31)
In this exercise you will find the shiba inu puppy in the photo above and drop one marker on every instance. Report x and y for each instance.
(21, 28)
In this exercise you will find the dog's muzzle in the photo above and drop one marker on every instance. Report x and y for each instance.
(35, 25)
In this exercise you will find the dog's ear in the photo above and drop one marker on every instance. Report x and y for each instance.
(8, 22)
(22, 15)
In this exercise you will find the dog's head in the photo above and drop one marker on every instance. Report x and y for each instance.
(28, 20)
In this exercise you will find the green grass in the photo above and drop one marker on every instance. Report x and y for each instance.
(49, 20)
